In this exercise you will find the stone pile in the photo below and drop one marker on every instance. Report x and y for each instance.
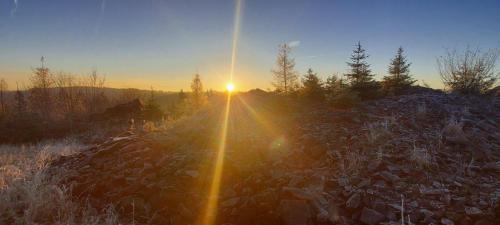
(427, 158)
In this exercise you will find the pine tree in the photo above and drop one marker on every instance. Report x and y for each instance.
(339, 94)
(178, 107)
(197, 98)
(20, 104)
(40, 93)
(152, 111)
(360, 77)
(285, 76)
(399, 78)
(312, 86)
(181, 96)
(334, 85)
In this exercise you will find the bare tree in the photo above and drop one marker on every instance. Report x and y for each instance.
(69, 100)
(95, 92)
(285, 76)
(3, 89)
(470, 72)
(129, 94)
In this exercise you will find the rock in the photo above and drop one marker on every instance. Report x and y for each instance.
(230, 202)
(295, 212)
(333, 213)
(373, 165)
(483, 222)
(167, 170)
(473, 211)
(192, 173)
(493, 166)
(371, 217)
(298, 193)
(364, 183)
(388, 176)
(379, 184)
(446, 221)
(354, 201)
(426, 213)
(432, 191)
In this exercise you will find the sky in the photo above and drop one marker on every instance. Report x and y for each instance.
(163, 43)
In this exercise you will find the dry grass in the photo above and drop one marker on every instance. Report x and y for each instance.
(28, 195)
(421, 111)
(454, 133)
(422, 157)
(379, 132)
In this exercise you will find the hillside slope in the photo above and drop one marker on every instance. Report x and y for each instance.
(431, 157)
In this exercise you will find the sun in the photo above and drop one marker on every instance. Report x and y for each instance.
(230, 87)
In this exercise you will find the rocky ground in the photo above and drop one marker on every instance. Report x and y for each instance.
(427, 158)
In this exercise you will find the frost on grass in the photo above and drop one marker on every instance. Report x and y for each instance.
(28, 195)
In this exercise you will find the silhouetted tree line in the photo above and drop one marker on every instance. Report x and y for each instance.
(55, 105)
(52, 105)
(469, 73)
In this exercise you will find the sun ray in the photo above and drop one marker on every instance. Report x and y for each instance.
(211, 209)
(269, 128)
(236, 32)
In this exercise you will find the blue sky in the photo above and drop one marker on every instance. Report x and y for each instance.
(163, 43)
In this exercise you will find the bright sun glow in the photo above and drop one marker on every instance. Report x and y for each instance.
(230, 87)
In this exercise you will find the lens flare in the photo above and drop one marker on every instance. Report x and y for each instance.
(230, 87)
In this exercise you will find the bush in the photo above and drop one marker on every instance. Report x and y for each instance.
(471, 72)
(345, 99)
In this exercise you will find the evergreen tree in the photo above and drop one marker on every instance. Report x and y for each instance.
(399, 78)
(20, 104)
(197, 98)
(285, 76)
(152, 111)
(177, 108)
(40, 93)
(182, 96)
(360, 77)
(312, 86)
(339, 94)
(334, 85)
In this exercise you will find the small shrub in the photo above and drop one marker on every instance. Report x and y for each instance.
(422, 157)
(453, 133)
(470, 72)
(345, 99)
(312, 87)
(149, 126)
